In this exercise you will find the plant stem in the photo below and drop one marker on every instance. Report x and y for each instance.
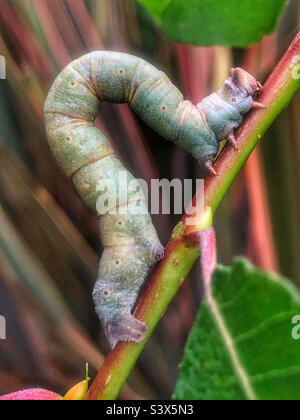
(183, 248)
(181, 252)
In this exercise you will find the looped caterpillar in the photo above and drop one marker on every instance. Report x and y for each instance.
(131, 244)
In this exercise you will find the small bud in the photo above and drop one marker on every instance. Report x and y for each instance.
(78, 392)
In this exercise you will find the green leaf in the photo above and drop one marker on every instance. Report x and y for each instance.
(241, 345)
(156, 8)
(236, 23)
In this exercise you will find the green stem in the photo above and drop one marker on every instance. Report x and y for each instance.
(183, 248)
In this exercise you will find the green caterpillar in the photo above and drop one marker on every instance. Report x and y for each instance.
(131, 244)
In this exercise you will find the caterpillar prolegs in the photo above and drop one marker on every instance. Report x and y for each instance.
(131, 244)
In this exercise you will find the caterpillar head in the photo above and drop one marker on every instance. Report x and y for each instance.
(234, 99)
(245, 82)
(240, 90)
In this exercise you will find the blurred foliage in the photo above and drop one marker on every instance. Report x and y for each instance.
(256, 355)
(49, 242)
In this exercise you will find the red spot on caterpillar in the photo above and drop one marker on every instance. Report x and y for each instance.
(68, 138)
(117, 262)
(73, 83)
(121, 71)
(181, 281)
(106, 292)
(120, 223)
(233, 99)
(176, 261)
(163, 108)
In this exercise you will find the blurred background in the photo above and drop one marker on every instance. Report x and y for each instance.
(49, 243)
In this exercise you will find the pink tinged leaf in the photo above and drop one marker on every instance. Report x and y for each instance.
(36, 394)
(208, 255)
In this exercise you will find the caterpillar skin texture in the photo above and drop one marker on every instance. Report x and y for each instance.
(131, 244)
